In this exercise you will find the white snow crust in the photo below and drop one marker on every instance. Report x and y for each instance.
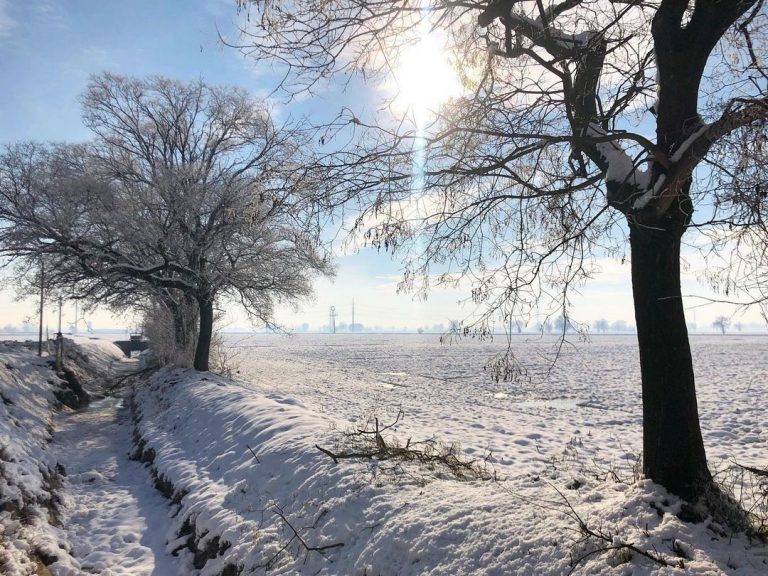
(36, 500)
(115, 520)
(571, 438)
(27, 387)
(30, 488)
(621, 167)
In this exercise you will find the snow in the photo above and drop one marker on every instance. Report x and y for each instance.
(562, 40)
(246, 490)
(27, 390)
(113, 515)
(242, 460)
(94, 360)
(67, 490)
(447, 392)
(621, 167)
(680, 150)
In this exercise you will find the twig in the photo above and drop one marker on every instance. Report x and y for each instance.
(755, 471)
(599, 535)
(277, 511)
(367, 442)
(254, 453)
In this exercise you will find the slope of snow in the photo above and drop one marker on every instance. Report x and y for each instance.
(28, 389)
(257, 496)
(31, 482)
(94, 360)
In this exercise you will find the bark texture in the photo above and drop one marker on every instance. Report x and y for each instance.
(203, 349)
(673, 448)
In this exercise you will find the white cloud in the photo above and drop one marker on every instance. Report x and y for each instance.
(7, 23)
(52, 13)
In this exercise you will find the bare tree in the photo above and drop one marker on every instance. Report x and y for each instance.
(584, 120)
(722, 323)
(189, 190)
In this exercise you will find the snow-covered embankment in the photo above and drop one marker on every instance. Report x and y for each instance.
(30, 477)
(253, 494)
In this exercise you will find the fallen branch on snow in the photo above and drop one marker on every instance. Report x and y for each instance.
(278, 511)
(607, 542)
(368, 442)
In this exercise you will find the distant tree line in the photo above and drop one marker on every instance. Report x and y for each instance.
(602, 326)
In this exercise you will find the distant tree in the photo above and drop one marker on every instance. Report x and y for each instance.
(722, 323)
(602, 325)
(563, 324)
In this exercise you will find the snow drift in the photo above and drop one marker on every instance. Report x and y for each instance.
(253, 494)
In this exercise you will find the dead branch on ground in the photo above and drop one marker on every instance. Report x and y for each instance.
(368, 442)
(280, 513)
(605, 541)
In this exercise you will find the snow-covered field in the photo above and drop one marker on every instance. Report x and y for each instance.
(249, 491)
(254, 489)
(588, 402)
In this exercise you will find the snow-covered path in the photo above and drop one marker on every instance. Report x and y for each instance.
(115, 519)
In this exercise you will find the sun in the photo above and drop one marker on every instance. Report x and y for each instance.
(423, 77)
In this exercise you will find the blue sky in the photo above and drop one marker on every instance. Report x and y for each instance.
(49, 49)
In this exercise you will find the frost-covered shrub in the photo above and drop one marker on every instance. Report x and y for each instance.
(172, 336)
(225, 359)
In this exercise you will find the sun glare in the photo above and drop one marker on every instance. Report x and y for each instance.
(423, 76)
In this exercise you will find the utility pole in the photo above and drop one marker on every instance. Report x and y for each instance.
(332, 319)
(352, 326)
(42, 298)
(60, 341)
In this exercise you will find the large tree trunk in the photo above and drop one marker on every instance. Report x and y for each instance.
(203, 349)
(179, 326)
(673, 449)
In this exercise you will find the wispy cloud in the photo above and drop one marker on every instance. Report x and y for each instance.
(89, 60)
(7, 23)
(53, 13)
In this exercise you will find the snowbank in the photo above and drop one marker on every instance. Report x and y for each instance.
(29, 476)
(254, 495)
(29, 391)
(92, 359)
